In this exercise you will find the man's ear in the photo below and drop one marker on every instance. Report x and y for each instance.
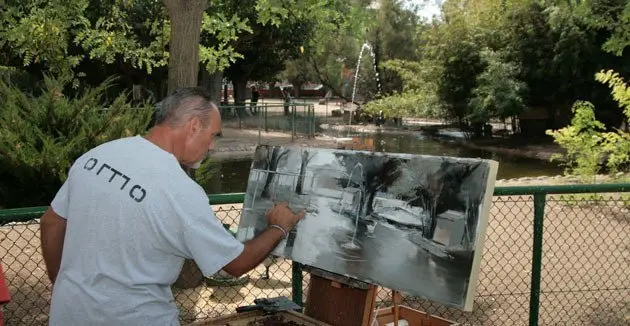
(195, 125)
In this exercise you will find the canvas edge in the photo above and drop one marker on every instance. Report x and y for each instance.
(481, 236)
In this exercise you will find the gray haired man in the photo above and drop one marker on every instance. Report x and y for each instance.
(118, 231)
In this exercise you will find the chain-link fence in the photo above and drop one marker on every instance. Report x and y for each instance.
(553, 256)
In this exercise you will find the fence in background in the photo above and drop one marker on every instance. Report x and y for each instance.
(294, 118)
(553, 255)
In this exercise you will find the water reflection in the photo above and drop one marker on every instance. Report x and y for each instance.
(232, 175)
(389, 258)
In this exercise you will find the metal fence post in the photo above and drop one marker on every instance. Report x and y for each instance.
(534, 299)
(266, 123)
(238, 114)
(308, 121)
(313, 121)
(296, 283)
(293, 123)
(259, 126)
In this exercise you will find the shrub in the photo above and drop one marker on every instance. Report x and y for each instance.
(589, 147)
(43, 134)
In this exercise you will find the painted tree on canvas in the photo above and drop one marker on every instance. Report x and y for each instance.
(274, 156)
(472, 192)
(371, 173)
(420, 186)
(306, 157)
(439, 188)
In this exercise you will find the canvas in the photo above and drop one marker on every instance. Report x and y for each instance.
(413, 223)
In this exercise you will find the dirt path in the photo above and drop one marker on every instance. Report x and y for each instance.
(585, 280)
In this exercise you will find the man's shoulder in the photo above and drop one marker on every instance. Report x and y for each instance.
(119, 143)
(100, 148)
(111, 145)
(184, 185)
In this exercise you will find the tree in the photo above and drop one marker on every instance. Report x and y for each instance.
(589, 143)
(499, 94)
(334, 45)
(183, 64)
(127, 37)
(419, 97)
(297, 72)
(278, 32)
(394, 37)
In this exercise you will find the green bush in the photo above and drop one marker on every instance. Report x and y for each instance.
(43, 134)
(589, 146)
(582, 142)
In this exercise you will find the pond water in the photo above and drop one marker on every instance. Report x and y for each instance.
(234, 174)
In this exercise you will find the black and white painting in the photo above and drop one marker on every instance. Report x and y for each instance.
(413, 223)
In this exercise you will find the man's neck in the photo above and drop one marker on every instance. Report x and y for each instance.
(164, 138)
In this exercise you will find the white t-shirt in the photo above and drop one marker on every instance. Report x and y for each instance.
(133, 216)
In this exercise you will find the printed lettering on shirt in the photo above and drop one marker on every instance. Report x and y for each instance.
(110, 174)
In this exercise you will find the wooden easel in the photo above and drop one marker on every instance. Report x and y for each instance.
(339, 300)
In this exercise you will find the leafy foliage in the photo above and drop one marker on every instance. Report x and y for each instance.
(419, 96)
(218, 34)
(43, 134)
(614, 17)
(63, 34)
(581, 140)
(499, 94)
(132, 31)
(208, 169)
(276, 29)
(334, 45)
(588, 145)
(489, 59)
(40, 32)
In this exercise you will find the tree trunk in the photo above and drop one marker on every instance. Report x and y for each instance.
(215, 88)
(225, 94)
(212, 82)
(183, 70)
(297, 86)
(240, 92)
(183, 62)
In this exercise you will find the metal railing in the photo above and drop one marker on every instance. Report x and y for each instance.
(295, 118)
(553, 255)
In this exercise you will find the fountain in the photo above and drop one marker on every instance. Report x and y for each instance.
(352, 245)
(365, 46)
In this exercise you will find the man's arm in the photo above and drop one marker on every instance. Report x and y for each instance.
(254, 252)
(258, 248)
(52, 233)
